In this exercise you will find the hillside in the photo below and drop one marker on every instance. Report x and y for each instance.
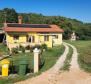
(83, 30)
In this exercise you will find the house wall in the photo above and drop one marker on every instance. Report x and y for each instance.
(9, 38)
(39, 39)
(59, 40)
(49, 43)
(22, 39)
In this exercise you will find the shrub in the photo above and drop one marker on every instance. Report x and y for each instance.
(31, 49)
(37, 46)
(50, 49)
(42, 61)
(84, 37)
(44, 46)
(27, 47)
(21, 48)
(14, 50)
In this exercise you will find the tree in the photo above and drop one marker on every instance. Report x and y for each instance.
(10, 15)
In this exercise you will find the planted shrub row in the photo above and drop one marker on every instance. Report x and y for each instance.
(28, 48)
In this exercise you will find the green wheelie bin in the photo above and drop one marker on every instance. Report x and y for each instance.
(22, 67)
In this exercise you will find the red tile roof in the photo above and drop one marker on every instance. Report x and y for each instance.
(54, 28)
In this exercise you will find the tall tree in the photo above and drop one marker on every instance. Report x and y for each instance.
(11, 15)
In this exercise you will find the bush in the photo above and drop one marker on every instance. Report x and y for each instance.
(21, 48)
(31, 48)
(38, 46)
(50, 49)
(84, 37)
(27, 47)
(44, 46)
(14, 50)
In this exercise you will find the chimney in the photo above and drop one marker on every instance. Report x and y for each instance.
(5, 25)
(20, 19)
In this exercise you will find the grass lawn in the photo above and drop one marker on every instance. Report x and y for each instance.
(3, 49)
(84, 50)
(50, 57)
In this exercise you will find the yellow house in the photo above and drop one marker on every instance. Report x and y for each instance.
(32, 34)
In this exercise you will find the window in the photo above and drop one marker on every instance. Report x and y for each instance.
(31, 39)
(55, 36)
(16, 37)
(46, 38)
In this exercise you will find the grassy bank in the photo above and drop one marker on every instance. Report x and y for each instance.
(84, 50)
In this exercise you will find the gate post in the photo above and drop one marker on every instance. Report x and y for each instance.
(36, 59)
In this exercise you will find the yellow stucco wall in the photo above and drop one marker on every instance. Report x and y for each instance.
(49, 43)
(58, 41)
(9, 38)
(39, 39)
(22, 39)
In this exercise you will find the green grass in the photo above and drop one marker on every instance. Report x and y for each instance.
(67, 61)
(84, 50)
(3, 49)
(50, 57)
(21, 56)
(12, 80)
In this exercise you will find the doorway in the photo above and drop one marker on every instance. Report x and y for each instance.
(30, 39)
(1, 37)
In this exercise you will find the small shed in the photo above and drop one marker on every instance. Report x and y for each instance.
(73, 36)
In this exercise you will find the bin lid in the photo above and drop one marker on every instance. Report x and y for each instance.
(5, 61)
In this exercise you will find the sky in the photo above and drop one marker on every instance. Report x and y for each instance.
(75, 9)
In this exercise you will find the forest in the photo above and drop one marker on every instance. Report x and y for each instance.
(82, 30)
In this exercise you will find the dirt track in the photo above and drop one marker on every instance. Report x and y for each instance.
(55, 76)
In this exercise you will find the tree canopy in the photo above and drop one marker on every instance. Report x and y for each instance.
(8, 15)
